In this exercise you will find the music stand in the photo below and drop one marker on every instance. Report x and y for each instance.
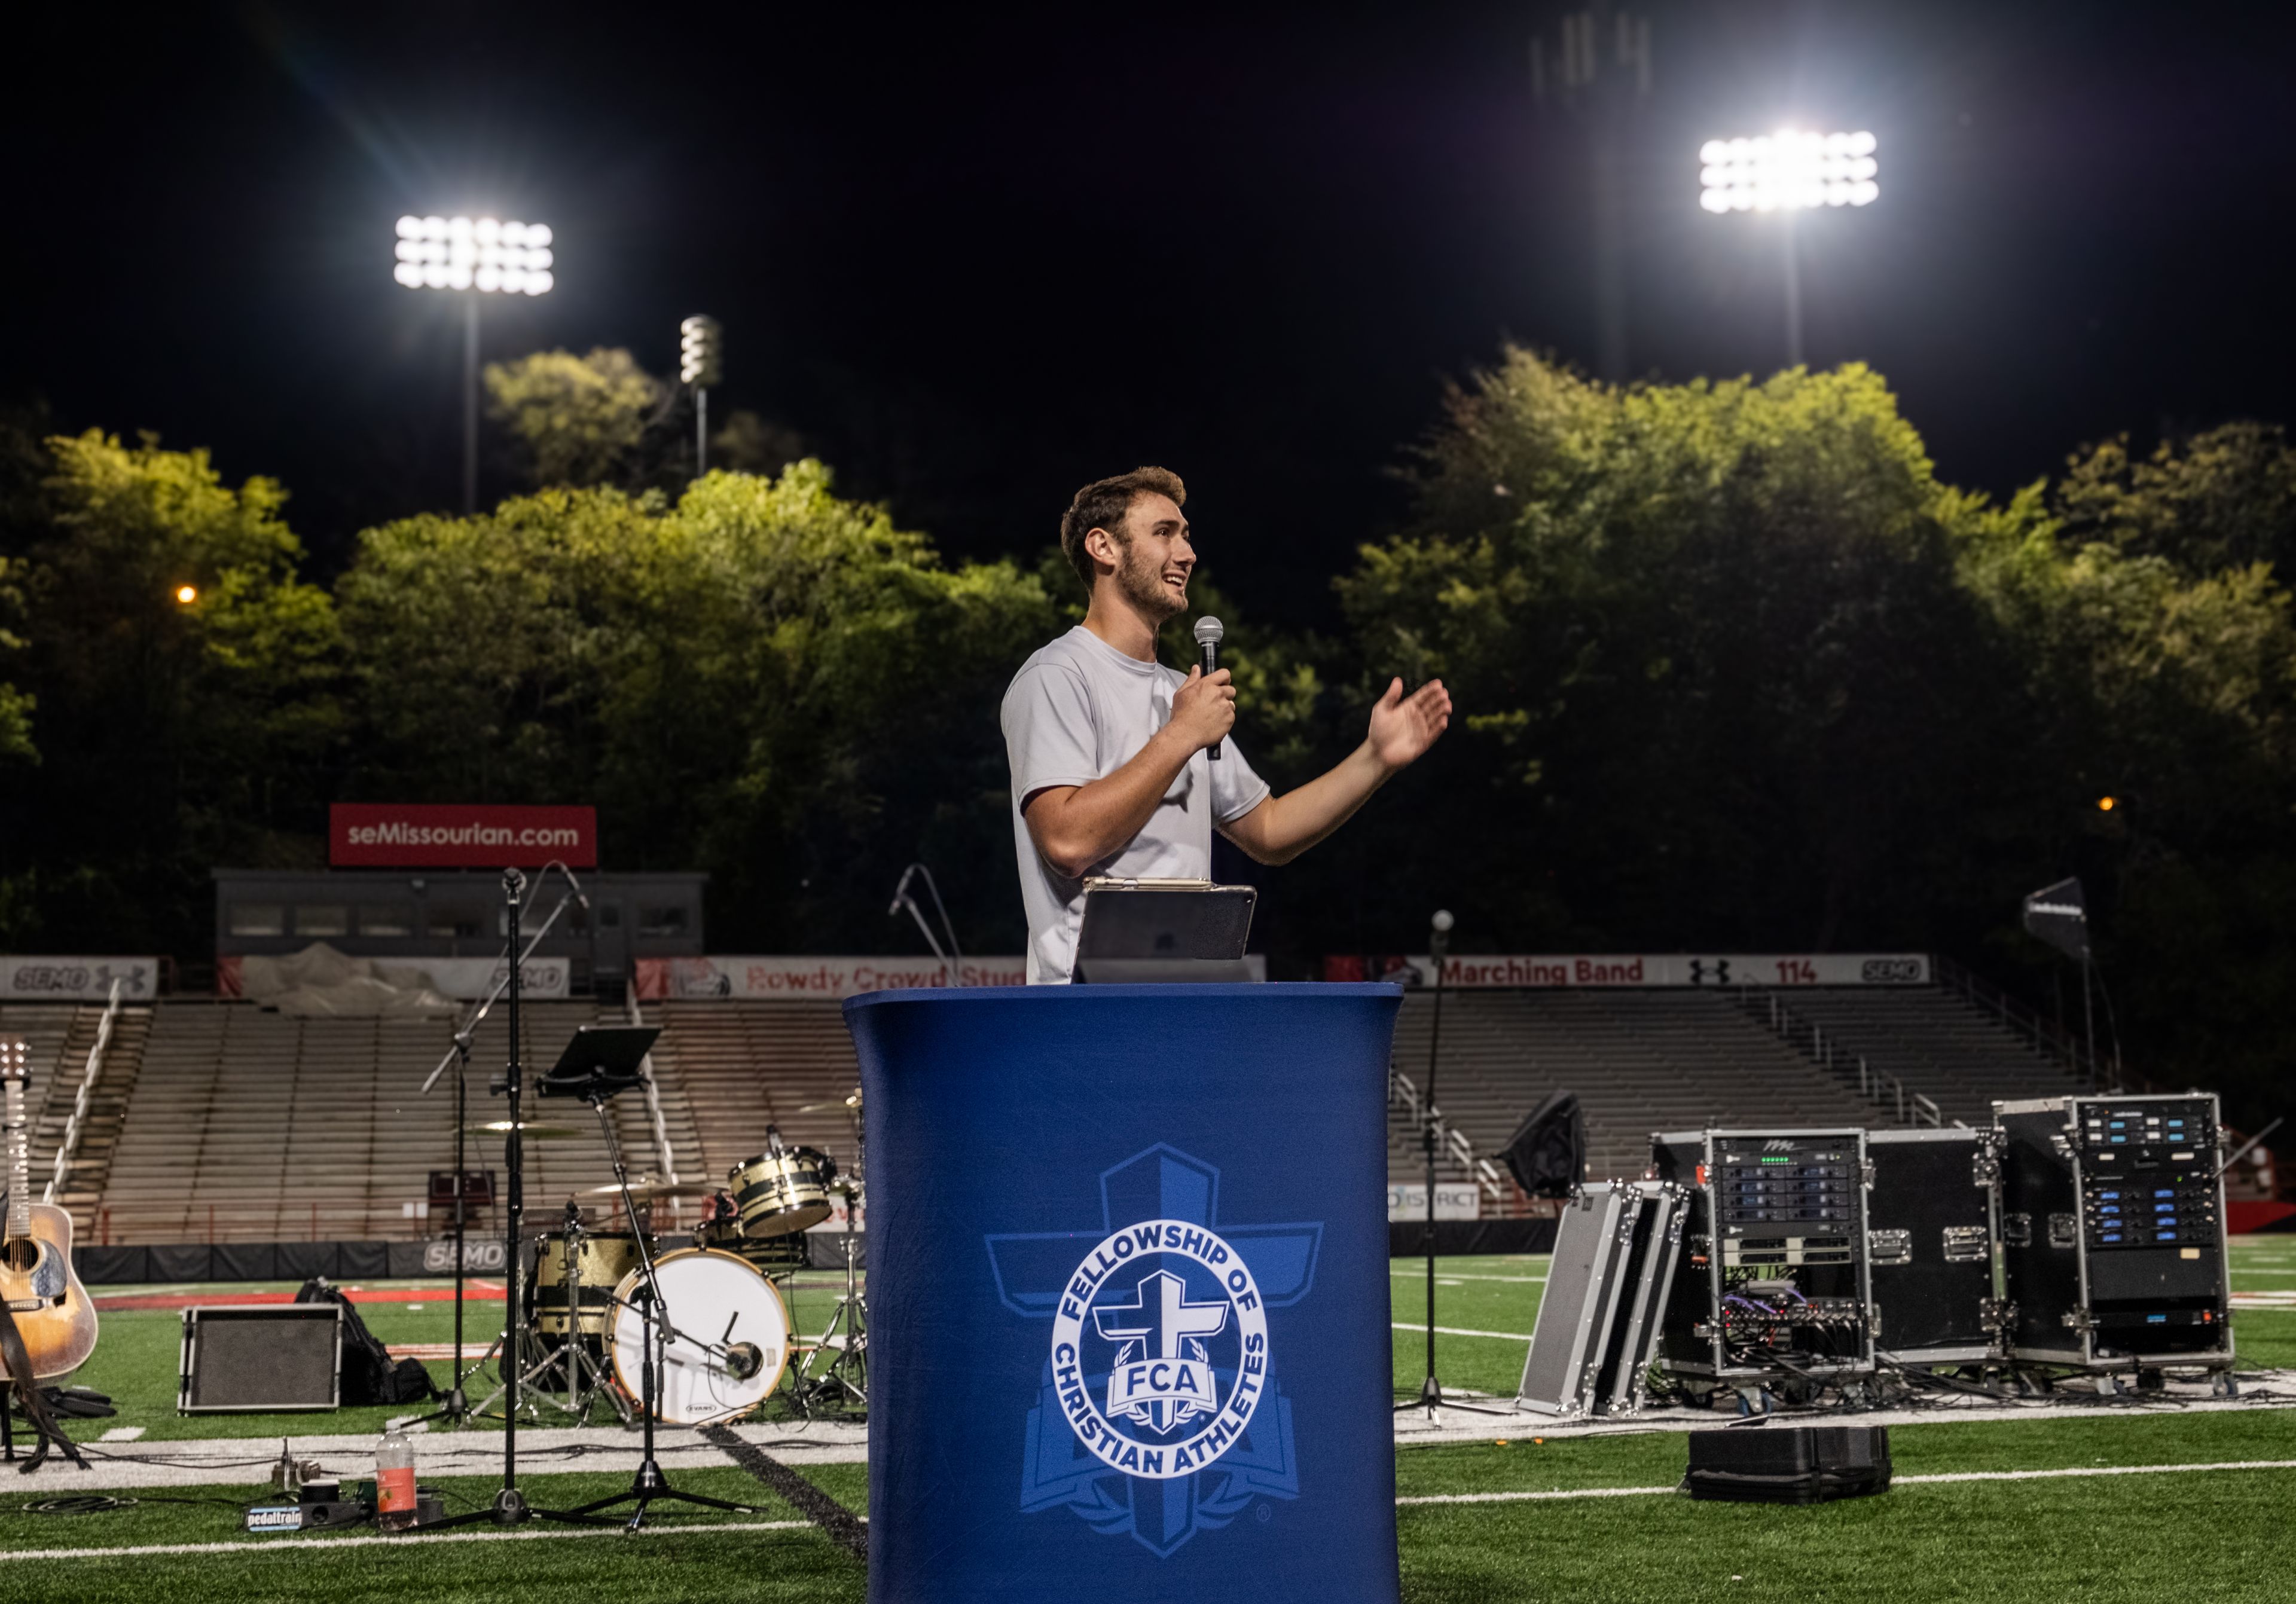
(600, 1061)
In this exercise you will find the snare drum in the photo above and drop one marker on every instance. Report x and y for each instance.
(603, 1260)
(782, 1191)
(775, 1255)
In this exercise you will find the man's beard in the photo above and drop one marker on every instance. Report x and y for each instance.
(1143, 585)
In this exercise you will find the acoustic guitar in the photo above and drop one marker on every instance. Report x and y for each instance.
(52, 1309)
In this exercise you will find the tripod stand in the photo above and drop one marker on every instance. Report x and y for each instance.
(845, 1381)
(585, 1377)
(1431, 1391)
(650, 1486)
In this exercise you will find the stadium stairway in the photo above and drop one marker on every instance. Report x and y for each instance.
(757, 1063)
(59, 1036)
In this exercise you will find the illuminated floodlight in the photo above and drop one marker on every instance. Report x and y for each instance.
(1789, 170)
(473, 253)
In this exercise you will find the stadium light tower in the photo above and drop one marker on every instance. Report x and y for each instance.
(702, 363)
(473, 257)
(1789, 171)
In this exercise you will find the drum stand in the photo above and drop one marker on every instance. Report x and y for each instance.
(585, 1376)
(846, 1382)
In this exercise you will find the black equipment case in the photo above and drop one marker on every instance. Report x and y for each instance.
(2112, 1239)
(1930, 1229)
(1789, 1465)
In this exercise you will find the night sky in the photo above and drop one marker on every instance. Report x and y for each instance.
(976, 260)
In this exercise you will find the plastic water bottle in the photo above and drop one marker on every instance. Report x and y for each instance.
(394, 1482)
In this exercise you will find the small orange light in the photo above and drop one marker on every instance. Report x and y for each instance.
(2104, 804)
(185, 594)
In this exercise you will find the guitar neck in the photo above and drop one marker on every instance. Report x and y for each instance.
(20, 1144)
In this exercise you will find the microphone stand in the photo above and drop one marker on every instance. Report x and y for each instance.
(456, 1409)
(953, 958)
(510, 1507)
(1431, 1391)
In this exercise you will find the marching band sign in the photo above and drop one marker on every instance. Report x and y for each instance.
(1478, 971)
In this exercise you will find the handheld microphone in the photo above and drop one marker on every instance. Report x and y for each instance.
(1209, 631)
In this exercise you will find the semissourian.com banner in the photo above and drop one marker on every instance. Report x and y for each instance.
(451, 834)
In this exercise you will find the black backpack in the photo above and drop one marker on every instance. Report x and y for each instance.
(370, 1374)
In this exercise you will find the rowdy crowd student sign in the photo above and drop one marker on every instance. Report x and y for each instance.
(411, 835)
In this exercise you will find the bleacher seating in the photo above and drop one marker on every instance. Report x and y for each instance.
(1639, 1060)
(1939, 1043)
(754, 1063)
(251, 1126)
(222, 1121)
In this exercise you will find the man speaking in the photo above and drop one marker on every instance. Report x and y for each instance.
(1111, 771)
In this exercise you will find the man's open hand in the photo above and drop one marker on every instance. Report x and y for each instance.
(1403, 727)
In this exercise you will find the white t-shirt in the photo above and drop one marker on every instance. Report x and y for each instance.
(1077, 711)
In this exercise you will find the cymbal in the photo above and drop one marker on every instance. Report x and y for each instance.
(530, 1131)
(853, 1102)
(648, 1191)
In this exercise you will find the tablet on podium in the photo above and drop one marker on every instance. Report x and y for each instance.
(1163, 931)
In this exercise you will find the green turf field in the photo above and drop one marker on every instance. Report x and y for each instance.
(2160, 1534)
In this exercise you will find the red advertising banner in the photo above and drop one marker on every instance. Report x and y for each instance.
(421, 835)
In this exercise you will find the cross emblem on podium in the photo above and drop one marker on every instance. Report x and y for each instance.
(1165, 1319)
(1031, 1271)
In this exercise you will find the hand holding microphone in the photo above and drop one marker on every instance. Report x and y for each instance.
(1209, 633)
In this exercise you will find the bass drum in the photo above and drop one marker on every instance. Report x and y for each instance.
(782, 1192)
(710, 1296)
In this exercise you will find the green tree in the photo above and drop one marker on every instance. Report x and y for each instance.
(2224, 498)
(184, 677)
(1736, 668)
(578, 420)
(763, 679)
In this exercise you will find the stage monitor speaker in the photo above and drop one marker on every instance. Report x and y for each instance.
(260, 1358)
(1547, 1153)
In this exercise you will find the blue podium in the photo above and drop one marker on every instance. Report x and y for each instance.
(1129, 1293)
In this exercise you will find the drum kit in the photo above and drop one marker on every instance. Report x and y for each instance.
(719, 1311)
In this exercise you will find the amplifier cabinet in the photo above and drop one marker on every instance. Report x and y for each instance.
(250, 1358)
(1772, 1281)
(1929, 1231)
(2112, 1232)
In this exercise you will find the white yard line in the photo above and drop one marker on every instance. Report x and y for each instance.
(410, 1541)
(1421, 1325)
(1954, 1475)
(1444, 1275)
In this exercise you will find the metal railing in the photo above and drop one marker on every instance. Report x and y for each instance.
(74, 1126)
(1495, 1183)
(661, 1150)
(2042, 1034)
(1876, 1084)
